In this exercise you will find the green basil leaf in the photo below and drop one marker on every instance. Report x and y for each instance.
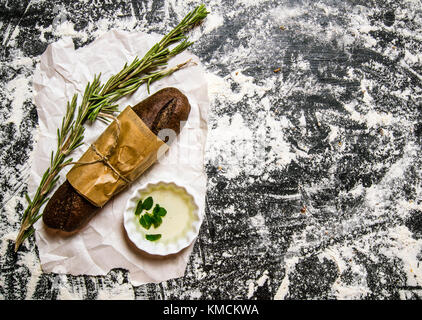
(162, 212)
(139, 207)
(156, 209)
(142, 221)
(159, 211)
(152, 237)
(156, 220)
(148, 219)
(148, 202)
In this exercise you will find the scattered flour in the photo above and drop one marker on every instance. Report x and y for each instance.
(121, 292)
(258, 223)
(254, 285)
(18, 91)
(238, 145)
(396, 242)
(93, 30)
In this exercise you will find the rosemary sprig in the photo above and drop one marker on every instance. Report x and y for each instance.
(98, 102)
(132, 76)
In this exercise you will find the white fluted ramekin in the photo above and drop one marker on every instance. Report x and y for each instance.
(137, 235)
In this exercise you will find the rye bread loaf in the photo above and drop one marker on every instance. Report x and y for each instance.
(67, 210)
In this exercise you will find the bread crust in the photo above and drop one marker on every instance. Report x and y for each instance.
(67, 210)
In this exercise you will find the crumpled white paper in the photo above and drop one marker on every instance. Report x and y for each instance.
(103, 243)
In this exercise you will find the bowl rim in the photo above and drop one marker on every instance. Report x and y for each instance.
(151, 247)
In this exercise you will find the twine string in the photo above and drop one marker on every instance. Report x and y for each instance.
(104, 158)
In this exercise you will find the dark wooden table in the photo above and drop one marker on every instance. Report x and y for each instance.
(314, 154)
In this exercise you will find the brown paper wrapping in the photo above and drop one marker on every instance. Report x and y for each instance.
(129, 146)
